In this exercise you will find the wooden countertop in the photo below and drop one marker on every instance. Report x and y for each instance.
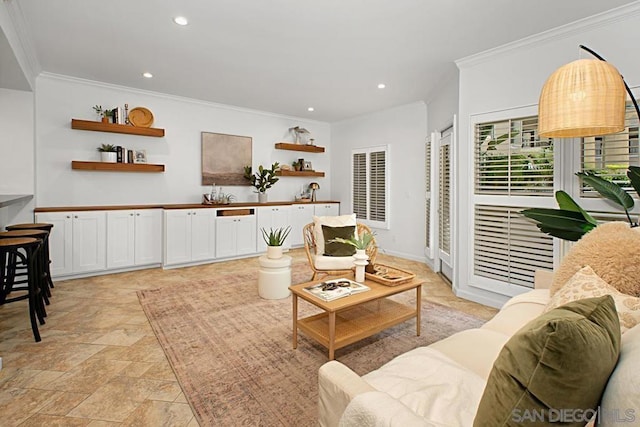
(171, 206)
(10, 199)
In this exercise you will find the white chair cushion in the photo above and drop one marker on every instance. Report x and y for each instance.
(331, 221)
(322, 262)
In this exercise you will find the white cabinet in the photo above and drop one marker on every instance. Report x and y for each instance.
(235, 233)
(190, 235)
(78, 241)
(273, 217)
(326, 209)
(134, 238)
(301, 215)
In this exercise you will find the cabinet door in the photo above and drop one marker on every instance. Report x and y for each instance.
(203, 234)
(327, 209)
(148, 236)
(89, 241)
(177, 236)
(301, 215)
(120, 239)
(60, 241)
(225, 236)
(273, 217)
(245, 234)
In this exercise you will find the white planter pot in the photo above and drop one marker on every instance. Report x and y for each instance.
(360, 260)
(274, 252)
(108, 157)
(262, 197)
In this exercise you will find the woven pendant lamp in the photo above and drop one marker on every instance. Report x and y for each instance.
(583, 98)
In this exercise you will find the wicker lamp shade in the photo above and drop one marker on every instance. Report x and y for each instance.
(583, 98)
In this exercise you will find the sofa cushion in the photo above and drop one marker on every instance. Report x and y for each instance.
(518, 311)
(337, 248)
(611, 249)
(620, 404)
(560, 360)
(587, 284)
(333, 221)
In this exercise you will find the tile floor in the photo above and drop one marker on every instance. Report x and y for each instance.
(99, 363)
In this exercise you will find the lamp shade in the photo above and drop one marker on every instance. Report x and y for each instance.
(583, 98)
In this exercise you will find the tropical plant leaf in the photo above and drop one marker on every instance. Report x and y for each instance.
(565, 202)
(608, 189)
(559, 219)
(572, 236)
(634, 176)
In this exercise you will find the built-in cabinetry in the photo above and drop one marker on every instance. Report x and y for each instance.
(273, 217)
(301, 215)
(189, 235)
(326, 209)
(235, 232)
(77, 241)
(134, 238)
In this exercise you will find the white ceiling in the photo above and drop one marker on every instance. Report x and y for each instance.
(283, 56)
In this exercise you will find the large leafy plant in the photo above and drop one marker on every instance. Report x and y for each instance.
(571, 222)
(264, 178)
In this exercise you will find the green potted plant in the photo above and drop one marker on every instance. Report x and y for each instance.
(262, 180)
(361, 242)
(274, 240)
(108, 153)
(105, 114)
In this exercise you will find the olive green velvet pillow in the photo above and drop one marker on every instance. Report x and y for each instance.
(555, 368)
(337, 248)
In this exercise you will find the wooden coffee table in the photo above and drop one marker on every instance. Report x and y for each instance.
(355, 317)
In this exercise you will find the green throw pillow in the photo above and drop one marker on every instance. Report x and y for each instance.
(554, 369)
(337, 248)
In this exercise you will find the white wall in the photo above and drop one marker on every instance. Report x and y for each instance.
(59, 99)
(404, 130)
(16, 146)
(443, 103)
(512, 77)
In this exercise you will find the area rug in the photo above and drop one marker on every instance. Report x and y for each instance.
(232, 352)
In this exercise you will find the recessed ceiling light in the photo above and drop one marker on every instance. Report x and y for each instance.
(381, 85)
(147, 75)
(180, 20)
(310, 109)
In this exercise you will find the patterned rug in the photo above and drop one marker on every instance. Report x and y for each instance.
(232, 354)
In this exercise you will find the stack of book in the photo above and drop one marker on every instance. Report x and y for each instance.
(337, 288)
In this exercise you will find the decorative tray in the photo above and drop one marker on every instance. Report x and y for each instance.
(389, 276)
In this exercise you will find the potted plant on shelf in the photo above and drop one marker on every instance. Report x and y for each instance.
(262, 180)
(105, 114)
(361, 242)
(274, 240)
(108, 153)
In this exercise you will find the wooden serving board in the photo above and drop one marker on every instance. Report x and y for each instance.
(389, 276)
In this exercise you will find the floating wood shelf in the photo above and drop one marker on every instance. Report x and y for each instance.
(299, 173)
(299, 147)
(115, 128)
(116, 167)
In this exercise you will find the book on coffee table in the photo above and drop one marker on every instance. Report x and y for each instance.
(336, 288)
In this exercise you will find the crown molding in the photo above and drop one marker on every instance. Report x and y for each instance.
(94, 83)
(14, 27)
(618, 14)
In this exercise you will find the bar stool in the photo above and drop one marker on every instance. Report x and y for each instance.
(10, 249)
(17, 269)
(38, 226)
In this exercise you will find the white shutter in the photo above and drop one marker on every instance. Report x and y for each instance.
(444, 208)
(508, 247)
(511, 158)
(359, 186)
(427, 185)
(377, 186)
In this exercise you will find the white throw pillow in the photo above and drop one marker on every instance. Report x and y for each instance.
(620, 404)
(331, 221)
(585, 283)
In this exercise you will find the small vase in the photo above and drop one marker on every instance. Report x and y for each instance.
(108, 157)
(274, 252)
(262, 197)
(360, 261)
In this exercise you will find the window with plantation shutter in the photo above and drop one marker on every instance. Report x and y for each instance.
(512, 159)
(427, 182)
(508, 247)
(610, 155)
(444, 189)
(370, 186)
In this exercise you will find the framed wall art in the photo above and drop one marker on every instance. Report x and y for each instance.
(224, 158)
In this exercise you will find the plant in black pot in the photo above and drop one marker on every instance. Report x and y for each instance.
(262, 180)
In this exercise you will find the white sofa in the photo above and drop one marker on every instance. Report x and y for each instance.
(442, 384)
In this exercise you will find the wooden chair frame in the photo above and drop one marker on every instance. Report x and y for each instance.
(310, 247)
